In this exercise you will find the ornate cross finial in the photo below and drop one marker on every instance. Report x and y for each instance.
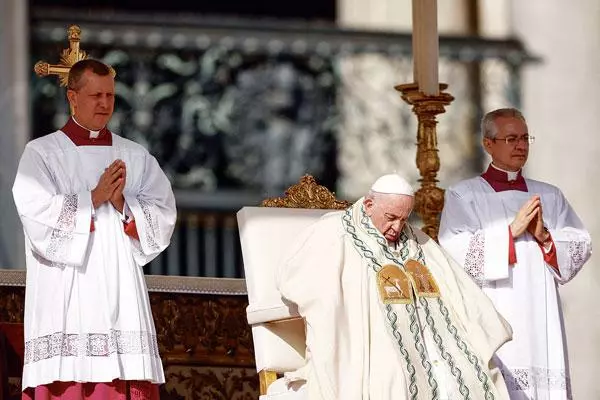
(68, 57)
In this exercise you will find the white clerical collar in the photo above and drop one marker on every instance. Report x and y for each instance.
(93, 134)
(512, 175)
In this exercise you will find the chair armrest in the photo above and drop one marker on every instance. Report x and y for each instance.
(257, 314)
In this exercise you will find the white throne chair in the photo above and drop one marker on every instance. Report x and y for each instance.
(266, 234)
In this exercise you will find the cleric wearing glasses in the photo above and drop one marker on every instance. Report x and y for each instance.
(518, 238)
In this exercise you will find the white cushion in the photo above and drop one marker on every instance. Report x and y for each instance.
(279, 347)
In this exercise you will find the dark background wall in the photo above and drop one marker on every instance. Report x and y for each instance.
(305, 9)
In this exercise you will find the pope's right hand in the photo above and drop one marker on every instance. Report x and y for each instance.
(108, 183)
(525, 216)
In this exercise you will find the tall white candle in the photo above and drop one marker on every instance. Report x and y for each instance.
(425, 46)
(415, 39)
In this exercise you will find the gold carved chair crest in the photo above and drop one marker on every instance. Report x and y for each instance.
(307, 193)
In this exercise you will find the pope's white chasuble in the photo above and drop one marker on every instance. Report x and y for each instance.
(385, 324)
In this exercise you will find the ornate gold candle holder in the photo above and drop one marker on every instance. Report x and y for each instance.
(429, 199)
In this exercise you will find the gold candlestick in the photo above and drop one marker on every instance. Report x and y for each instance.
(429, 199)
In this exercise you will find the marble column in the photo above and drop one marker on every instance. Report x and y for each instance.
(14, 123)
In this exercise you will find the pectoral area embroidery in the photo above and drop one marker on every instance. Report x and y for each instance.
(397, 285)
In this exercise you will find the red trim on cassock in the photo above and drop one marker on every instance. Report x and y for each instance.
(512, 254)
(550, 258)
(81, 136)
(131, 229)
(498, 180)
(92, 226)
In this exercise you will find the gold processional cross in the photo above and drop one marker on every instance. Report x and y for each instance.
(68, 57)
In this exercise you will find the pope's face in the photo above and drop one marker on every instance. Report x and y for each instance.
(389, 213)
(509, 157)
(93, 103)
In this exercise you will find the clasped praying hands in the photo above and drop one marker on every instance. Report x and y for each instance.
(110, 186)
(530, 219)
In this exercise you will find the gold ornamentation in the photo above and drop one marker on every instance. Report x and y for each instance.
(202, 329)
(307, 194)
(394, 285)
(266, 378)
(214, 383)
(12, 304)
(429, 199)
(68, 57)
(422, 280)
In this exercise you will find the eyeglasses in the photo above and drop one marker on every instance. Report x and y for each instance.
(513, 140)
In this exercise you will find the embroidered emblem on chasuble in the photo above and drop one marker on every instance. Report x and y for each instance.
(394, 285)
(422, 280)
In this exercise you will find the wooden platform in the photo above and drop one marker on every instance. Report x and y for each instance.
(203, 337)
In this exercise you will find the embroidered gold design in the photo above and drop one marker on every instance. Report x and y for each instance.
(429, 199)
(394, 285)
(307, 194)
(423, 282)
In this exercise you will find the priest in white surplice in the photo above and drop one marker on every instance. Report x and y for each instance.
(95, 208)
(388, 314)
(518, 238)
